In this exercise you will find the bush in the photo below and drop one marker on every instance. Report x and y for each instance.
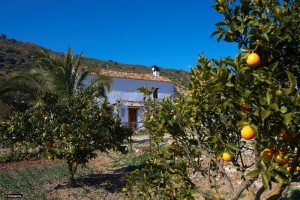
(72, 129)
(224, 96)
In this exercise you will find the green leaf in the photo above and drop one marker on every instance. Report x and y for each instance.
(254, 128)
(292, 80)
(220, 24)
(265, 180)
(206, 106)
(217, 110)
(215, 140)
(273, 66)
(269, 97)
(265, 113)
(283, 173)
(256, 113)
(274, 106)
(229, 84)
(265, 36)
(232, 146)
(241, 124)
(220, 35)
(246, 94)
(225, 104)
(245, 50)
(230, 62)
(214, 33)
(253, 173)
(242, 114)
(287, 118)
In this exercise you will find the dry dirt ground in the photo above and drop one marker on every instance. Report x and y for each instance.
(103, 179)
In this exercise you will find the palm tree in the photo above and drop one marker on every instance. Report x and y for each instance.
(64, 78)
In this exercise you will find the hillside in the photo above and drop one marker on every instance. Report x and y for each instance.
(18, 55)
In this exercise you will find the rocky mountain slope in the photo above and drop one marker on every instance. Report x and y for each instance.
(18, 55)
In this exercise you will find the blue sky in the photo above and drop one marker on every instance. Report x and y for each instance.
(167, 33)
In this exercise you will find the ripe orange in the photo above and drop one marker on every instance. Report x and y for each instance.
(296, 169)
(174, 143)
(279, 157)
(46, 118)
(283, 135)
(247, 133)
(253, 60)
(268, 153)
(226, 157)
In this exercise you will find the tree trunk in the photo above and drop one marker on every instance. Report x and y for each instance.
(72, 170)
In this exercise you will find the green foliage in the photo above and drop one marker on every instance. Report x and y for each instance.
(16, 144)
(271, 28)
(71, 128)
(132, 161)
(161, 178)
(16, 55)
(62, 77)
(225, 95)
(74, 128)
(69, 121)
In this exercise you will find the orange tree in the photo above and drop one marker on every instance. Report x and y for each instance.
(72, 129)
(242, 111)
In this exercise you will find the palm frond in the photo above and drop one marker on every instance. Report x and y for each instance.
(26, 82)
(61, 81)
(61, 77)
(78, 63)
(80, 80)
(101, 83)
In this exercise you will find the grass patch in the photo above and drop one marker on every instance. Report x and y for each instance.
(95, 181)
(31, 183)
(131, 160)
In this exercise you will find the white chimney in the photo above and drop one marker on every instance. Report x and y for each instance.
(155, 71)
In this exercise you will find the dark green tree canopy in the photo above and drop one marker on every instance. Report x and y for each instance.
(270, 28)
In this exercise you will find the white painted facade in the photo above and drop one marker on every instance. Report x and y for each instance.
(125, 91)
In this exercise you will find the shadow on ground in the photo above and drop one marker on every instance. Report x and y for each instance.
(111, 182)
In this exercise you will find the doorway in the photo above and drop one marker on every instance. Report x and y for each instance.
(132, 117)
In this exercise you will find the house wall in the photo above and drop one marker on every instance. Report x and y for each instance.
(126, 89)
(140, 118)
(123, 114)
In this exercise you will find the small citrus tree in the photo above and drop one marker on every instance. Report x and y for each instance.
(244, 111)
(72, 129)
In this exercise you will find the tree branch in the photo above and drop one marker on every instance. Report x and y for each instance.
(240, 189)
(202, 149)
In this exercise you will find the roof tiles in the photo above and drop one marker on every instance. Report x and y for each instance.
(133, 75)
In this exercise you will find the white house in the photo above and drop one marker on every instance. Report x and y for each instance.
(124, 91)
